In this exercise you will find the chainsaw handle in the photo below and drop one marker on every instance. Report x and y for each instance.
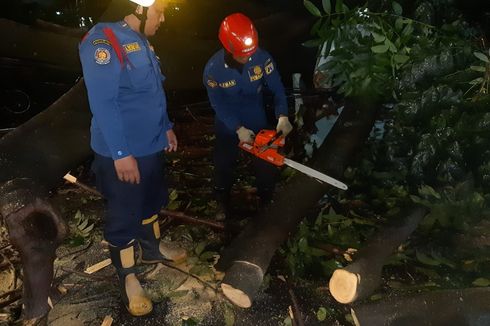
(273, 139)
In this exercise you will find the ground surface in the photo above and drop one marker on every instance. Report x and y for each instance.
(180, 299)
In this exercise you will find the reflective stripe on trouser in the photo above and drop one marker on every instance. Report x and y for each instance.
(129, 204)
(225, 156)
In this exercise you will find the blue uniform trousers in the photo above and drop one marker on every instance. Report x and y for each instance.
(225, 159)
(129, 204)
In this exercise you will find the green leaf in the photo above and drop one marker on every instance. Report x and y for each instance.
(303, 244)
(316, 27)
(339, 6)
(481, 56)
(207, 255)
(380, 48)
(401, 58)
(478, 68)
(78, 215)
(83, 224)
(200, 270)
(428, 191)
(378, 38)
(391, 46)
(173, 195)
(424, 259)
(312, 8)
(321, 314)
(477, 81)
(397, 8)
(399, 24)
(200, 247)
(327, 6)
(481, 281)
(287, 321)
(88, 229)
(376, 297)
(229, 315)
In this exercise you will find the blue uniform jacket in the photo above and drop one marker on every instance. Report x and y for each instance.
(237, 98)
(127, 99)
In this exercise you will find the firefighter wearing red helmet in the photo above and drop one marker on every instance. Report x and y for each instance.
(235, 78)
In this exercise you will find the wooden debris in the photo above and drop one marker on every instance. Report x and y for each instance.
(361, 278)
(107, 321)
(71, 179)
(97, 267)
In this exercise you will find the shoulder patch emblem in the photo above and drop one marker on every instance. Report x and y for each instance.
(269, 68)
(102, 56)
(132, 47)
(228, 84)
(101, 41)
(211, 83)
(255, 73)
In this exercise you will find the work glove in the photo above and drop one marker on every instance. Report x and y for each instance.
(284, 126)
(245, 135)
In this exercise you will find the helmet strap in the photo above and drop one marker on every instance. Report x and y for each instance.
(142, 17)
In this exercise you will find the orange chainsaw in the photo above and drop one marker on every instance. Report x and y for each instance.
(266, 145)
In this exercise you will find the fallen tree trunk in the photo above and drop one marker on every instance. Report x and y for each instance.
(247, 258)
(467, 307)
(33, 159)
(361, 278)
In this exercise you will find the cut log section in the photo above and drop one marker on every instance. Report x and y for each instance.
(233, 288)
(361, 278)
(467, 307)
(259, 241)
(33, 159)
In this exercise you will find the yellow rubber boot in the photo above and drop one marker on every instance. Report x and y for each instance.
(133, 295)
(153, 250)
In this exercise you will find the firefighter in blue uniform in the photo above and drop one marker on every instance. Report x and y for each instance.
(129, 132)
(235, 78)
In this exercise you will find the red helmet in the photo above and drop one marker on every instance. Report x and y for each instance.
(238, 35)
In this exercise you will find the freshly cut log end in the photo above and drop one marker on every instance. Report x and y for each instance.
(344, 286)
(238, 297)
(242, 282)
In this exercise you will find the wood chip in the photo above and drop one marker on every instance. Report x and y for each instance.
(62, 289)
(107, 321)
(97, 267)
(68, 177)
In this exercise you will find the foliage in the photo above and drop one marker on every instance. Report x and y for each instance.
(305, 252)
(80, 229)
(435, 148)
(482, 83)
(364, 49)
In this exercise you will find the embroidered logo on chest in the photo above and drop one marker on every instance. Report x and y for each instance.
(132, 47)
(255, 73)
(228, 84)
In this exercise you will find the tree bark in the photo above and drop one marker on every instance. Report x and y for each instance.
(33, 159)
(467, 307)
(361, 278)
(258, 242)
